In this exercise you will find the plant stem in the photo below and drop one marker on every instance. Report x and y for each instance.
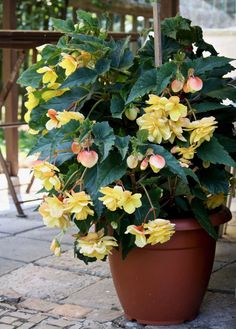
(150, 201)
(69, 179)
(94, 106)
(191, 109)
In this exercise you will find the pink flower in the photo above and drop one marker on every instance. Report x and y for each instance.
(87, 158)
(157, 162)
(194, 84)
(144, 164)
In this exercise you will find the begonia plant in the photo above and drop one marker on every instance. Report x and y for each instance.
(124, 147)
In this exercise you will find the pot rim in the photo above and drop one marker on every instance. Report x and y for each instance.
(190, 224)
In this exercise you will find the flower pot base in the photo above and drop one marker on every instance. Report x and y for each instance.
(160, 322)
(165, 284)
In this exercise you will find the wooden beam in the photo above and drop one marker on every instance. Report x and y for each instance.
(17, 39)
(11, 104)
(169, 8)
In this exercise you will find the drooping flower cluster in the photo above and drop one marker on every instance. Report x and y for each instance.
(96, 245)
(115, 197)
(47, 172)
(153, 232)
(164, 119)
(58, 119)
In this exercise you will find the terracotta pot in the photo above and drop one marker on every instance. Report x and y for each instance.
(165, 284)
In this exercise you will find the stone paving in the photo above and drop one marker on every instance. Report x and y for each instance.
(39, 290)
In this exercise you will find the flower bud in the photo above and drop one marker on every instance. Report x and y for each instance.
(54, 245)
(132, 161)
(87, 158)
(131, 113)
(157, 162)
(186, 88)
(114, 225)
(57, 252)
(52, 113)
(194, 84)
(76, 147)
(177, 85)
(144, 164)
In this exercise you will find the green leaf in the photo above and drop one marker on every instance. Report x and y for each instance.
(223, 93)
(122, 144)
(189, 172)
(209, 106)
(104, 138)
(117, 106)
(171, 26)
(214, 180)
(49, 51)
(142, 135)
(229, 144)
(102, 65)
(82, 76)
(204, 64)
(121, 56)
(63, 25)
(153, 80)
(202, 217)
(30, 77)
(62, 102)
(171, 161)
(90, 22)
(215, 153)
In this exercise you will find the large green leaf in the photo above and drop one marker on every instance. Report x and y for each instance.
(209, 106)
(82, 76)
(117, 106)
(30, 77)
(202, 217)
(215, 153)
(104, 138)
(214, 180)
(121, 56)
(122, 144)
(202, 65)
(229, 144)
(171, 161)
(63, 25)
(153, 80)
(145, 84)
(171, 26)
(223, 93)
(102, 65)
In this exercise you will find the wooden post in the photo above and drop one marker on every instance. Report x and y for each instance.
(157, 32)
(11, 104)
(169, 8)
(122, 23)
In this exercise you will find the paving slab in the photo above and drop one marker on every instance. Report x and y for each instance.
(218, 265)
(224, 279)
(15, 225)
(68, 262)
(225, 251)
(44, 282)
(23, 249)
(47, 234)
(100, 295)
(7, 265)
(3, 235)
(103, 315)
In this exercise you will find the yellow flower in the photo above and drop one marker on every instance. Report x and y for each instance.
(157, 127)
(139, 233)
(186, 153)
(49, 75)
(159, 231)
(84, 58)
(66, 116)
(68, 63)
(32, 102)
(48, 94)
(156, 104)
(53, 212)
(33, 132)
(77, 203)
(176, 128)
(53, 122)
(96, 245)
(55, 247)
(46, 172)
(129, 202)
(112, 197)
(175, 109)
(215, 200)
(201, 130)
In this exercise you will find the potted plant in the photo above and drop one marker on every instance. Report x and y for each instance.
(134, 156)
